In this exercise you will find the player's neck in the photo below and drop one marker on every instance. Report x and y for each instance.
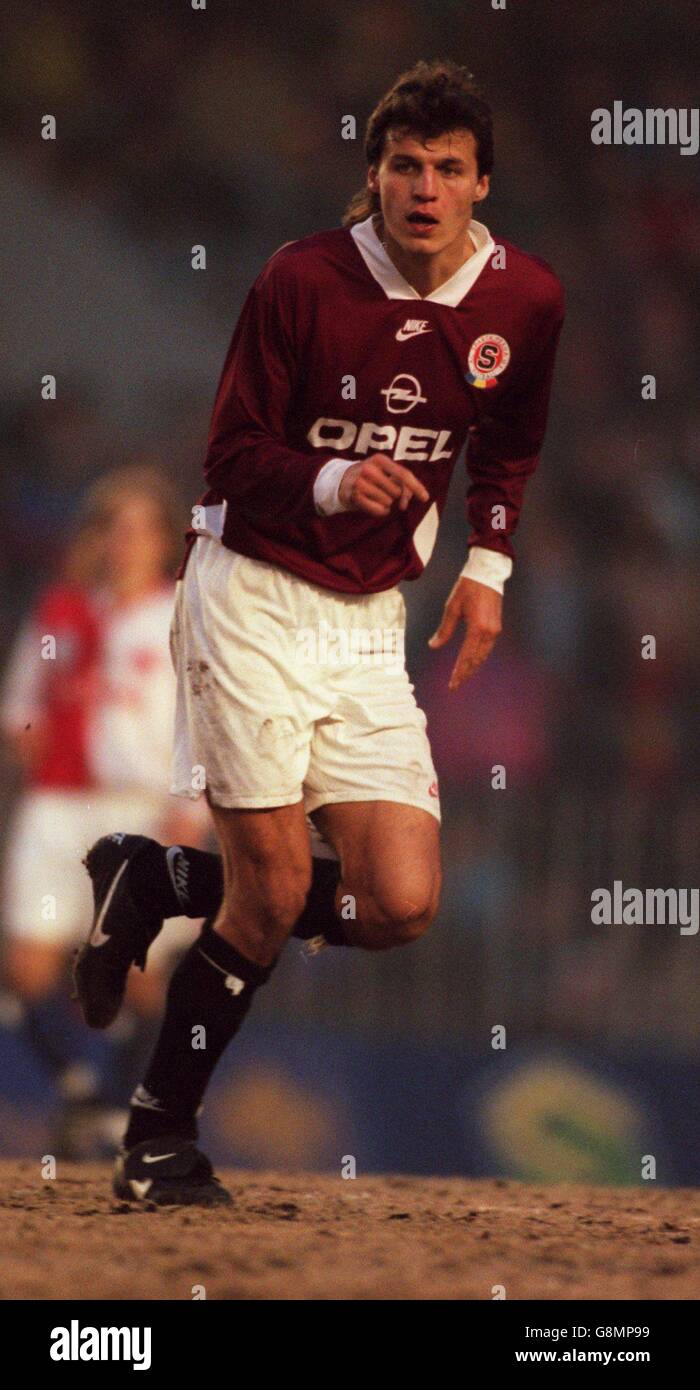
(427, 273)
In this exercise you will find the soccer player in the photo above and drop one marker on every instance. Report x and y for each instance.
(364, 360)
(88, 699)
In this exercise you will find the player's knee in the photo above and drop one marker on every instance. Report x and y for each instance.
(411, 925)
(398, 918)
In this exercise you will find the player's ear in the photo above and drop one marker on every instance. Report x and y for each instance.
(482, 188)
(373, 178)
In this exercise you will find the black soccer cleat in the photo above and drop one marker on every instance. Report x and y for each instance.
(122, 930)
(169, 1171)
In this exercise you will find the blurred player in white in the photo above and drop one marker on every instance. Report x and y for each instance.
(87, 711)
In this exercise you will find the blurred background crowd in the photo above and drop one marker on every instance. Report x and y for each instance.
(222, 127)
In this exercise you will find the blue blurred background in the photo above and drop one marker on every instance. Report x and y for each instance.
(222, 127)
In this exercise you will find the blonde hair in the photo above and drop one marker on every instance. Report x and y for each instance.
(84, 558)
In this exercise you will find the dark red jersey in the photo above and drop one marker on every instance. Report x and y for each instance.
(335, 356)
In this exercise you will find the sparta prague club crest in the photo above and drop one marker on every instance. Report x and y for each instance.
(489, 355)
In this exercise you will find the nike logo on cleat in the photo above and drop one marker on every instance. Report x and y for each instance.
(140, 1189)
(97, 936)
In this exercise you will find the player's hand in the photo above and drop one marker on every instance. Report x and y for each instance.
(480, 608)
(377, 483)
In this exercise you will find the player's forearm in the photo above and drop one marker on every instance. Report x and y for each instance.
(495, 500)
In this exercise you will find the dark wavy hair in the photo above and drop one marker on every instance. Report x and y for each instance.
(428, 100)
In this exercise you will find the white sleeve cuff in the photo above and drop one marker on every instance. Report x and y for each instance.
(487, 567)
(326, 486)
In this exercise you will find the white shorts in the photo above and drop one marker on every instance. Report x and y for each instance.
(287, 691)
(47, 895)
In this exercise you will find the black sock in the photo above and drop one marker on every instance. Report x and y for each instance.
(211, 990)
(319, 917)
(177, 880)
(181, 880)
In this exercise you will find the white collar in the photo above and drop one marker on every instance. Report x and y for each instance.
(380, 265)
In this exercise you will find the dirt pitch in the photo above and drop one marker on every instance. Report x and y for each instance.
(308, 1236)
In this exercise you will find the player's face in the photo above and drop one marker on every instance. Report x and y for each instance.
(427, 190)
(135, 539)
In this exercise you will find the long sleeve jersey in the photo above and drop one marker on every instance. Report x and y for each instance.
(335, 357)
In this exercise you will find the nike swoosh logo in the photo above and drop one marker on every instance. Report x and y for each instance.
(170, 859)
(140, 1189)
(412, 333)
(156, 1158)
(97, 936)
(178, 871)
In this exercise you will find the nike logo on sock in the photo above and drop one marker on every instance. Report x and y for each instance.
(178, 870)
(144, 1098)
